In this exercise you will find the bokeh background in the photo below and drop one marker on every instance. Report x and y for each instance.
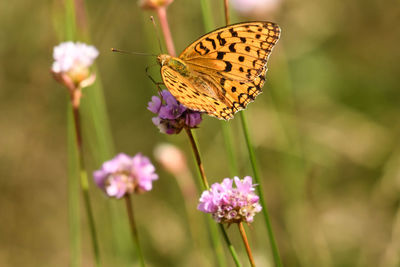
(326, 132)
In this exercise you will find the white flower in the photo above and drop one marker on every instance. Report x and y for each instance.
(69, 57)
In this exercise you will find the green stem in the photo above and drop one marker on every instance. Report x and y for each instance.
(253, 161)
(73, 196)
(205, 184)
(134, 231)
(73, 180)
(85, 186)
(230, 246)
(226, 129)
(228, 140)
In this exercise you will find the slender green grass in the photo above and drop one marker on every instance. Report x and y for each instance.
(73, 195)
(209, 25)
(74, 217)
(256, 173)
(207, 17)
(98, 142)
(212, 225)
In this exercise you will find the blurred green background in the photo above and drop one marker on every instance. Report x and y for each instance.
(326, 132)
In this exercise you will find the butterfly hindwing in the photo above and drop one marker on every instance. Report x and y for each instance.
(187, 94)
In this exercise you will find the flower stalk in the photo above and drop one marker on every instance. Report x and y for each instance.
(197, 157)
(246, 244)
(162, 16)
(253, 161)
(85, 184)
(71, 69)
(134, 231)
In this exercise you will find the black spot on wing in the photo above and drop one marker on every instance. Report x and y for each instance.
(220, 55)
(221, 40)
(228, 66)
(212, 41)
(233, 33)
(232, 47)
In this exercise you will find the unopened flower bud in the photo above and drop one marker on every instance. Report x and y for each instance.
(171, 158)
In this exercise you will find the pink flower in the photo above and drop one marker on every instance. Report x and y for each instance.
(231, 205)
(124, 175)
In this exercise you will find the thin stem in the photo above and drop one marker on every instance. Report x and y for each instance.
(228, 139)
(73, 196)
(226, 8)
(230, 246)
(85, 185)
(226, 129)
(162, 16)
(207, 17)
(197, 157)
(205, 184)
(253, 161)
(134, 231)
(246, 244)
(260, 191)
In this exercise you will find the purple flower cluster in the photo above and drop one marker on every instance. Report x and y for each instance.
(124, 175)
(231, 205)
(172, 116)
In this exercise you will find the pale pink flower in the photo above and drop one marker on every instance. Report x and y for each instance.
(124, 175)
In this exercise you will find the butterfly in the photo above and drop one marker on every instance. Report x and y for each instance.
(222, 71)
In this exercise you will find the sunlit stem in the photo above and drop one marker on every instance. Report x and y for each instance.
(246, 244)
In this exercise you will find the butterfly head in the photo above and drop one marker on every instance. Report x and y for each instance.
(163, 59)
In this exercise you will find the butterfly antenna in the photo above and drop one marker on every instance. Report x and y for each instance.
(132, 53)
(158, 34)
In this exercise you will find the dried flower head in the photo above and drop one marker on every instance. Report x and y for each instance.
(231, 205)
(124, 175)
(172, 116)
(154, 4)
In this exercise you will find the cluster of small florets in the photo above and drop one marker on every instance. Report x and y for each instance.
(74, 60)
(125, 175)
(231, 205)
(172, 116)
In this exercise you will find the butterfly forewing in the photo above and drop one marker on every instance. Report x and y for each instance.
(227, 68)
(237, 52)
